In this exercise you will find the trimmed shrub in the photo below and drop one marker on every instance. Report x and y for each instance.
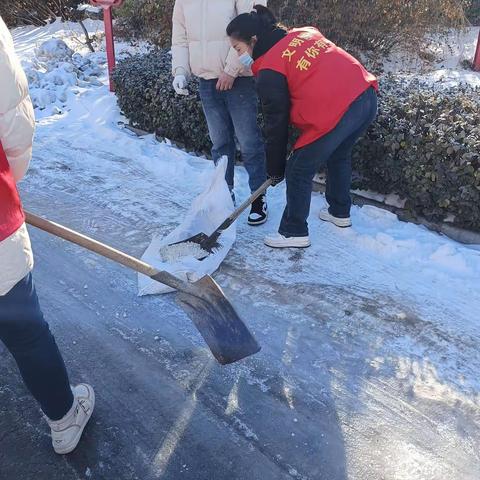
(368, 25)
(146, 19)
(424, 146)
(35, 12)
(473, 12)
(374, 25)
(146, 96)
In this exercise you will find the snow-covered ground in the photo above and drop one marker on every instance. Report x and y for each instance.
(376, 328)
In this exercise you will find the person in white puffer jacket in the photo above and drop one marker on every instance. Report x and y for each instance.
(23, 328)
(200, 47)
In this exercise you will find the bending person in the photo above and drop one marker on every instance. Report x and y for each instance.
(305, 79)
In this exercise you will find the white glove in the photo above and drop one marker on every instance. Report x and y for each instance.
(180, 85)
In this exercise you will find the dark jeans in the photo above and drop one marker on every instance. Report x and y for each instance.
(334, 150)
(28, 338)
(233, 114)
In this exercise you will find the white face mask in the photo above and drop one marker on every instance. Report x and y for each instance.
(246, 60)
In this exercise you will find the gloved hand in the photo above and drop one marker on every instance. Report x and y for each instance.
(275, 180)
(180, 85)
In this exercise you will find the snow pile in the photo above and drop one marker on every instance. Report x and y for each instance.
(54, 49)
(450, 54)
(187, 261)
(408, 245)
(85, 7)
(54, 72)
(174, 253)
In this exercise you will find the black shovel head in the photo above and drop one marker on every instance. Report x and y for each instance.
(207, 243)
(217, 321)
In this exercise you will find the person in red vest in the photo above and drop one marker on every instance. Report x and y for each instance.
(23, 329)
(306, 80)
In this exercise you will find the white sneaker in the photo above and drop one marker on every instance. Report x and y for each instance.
(326, 216)
(66, 433)
(277, 240)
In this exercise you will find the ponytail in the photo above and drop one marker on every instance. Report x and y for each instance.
(248, 25)
(265, 16)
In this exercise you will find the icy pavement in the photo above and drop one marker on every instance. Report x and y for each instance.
(370, 359)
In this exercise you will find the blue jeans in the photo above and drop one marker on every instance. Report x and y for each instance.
(231, 114)
(334, 150)
(28, 338)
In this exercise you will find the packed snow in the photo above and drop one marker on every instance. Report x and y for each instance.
(174, 253)
(381, 320)
(86, 7)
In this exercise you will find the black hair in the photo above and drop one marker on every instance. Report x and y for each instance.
(248, 25)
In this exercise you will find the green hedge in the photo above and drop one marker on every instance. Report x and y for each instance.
(145, 95)
(424, 146)
(35, 12)
(367, 25)
(473, 12)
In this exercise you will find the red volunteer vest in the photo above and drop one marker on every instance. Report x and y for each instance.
(11, 212)
(323, 80)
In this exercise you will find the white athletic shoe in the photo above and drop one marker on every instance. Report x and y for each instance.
(66, 432)
(277, 240)
(326, 216)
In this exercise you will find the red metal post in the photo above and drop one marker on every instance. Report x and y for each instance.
(107, 19)
(476, 60)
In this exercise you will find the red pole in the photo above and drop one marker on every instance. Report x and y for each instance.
(107, 20)
(476, 61)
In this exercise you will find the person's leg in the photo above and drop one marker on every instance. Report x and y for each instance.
(305, 162)
(339, 165)
(300, 170)
(339, 175)
(242, 102)
(220, 126)
(27, 336)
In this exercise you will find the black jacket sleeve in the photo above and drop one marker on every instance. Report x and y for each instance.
(275, 99)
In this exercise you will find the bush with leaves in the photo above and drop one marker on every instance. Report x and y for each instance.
(374, 25)
(145, 95)
(473, 12)
(424, 145)
(146, 19)
(368, 25)
(35, 12)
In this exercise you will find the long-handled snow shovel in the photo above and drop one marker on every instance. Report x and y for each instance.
(208, 243)
(215, 318)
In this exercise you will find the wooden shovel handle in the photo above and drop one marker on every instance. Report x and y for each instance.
(106, 251)
(229, 221)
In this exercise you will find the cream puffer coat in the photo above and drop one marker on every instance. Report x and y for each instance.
(17, 124)
(200, 45)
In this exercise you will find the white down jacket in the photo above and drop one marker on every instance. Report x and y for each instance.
(200, 45)
(17, 125)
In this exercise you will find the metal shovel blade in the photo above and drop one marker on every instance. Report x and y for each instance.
(217, 321)
(204, 302)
